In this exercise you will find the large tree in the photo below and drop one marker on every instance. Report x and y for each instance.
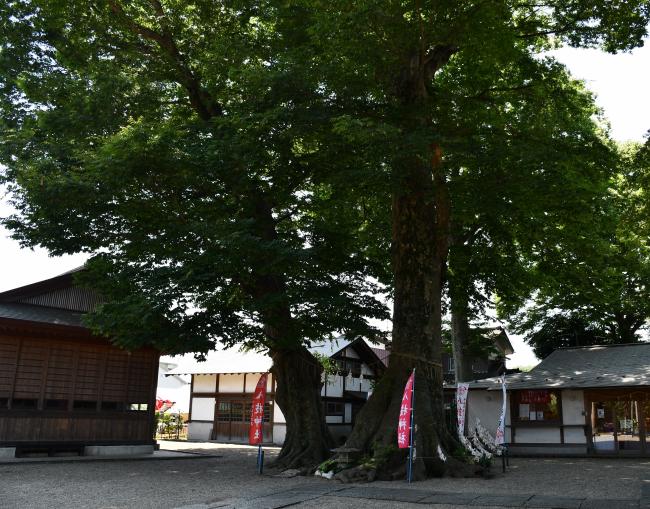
(178, 143)
(397, 64)
(593, 286)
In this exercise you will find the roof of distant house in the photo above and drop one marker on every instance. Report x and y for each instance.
(234, 360)
(626, 365)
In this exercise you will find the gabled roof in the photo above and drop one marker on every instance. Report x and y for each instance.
(234, 361)
(53, 301)
(40, 314)
(601, 366)
(37, 301)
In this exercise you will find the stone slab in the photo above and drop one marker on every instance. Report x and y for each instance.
(450, 498)
(7, 452)
(394, 494)
(117, 450)
(592, 503)
(502, 500)
(555, 502)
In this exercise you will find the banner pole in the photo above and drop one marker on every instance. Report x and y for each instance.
(260, 461)
(412, 431)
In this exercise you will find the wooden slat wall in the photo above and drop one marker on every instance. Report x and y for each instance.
(8, 363)
(31, 367)
(43, 369)
(59, 373)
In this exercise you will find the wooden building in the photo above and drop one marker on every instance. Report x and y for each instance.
(61, 387)
(222, 387)
(582, 401)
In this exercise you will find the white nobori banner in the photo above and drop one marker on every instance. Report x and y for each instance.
(499, 438)
(461, 400)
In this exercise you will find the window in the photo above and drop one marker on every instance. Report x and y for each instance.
(334, 408)
(55, 404)
(223, 412)
(112, 405)
(84, 405)
(137, 407)
(267, 412)
(538, 405)
(451, 366)
(24, 404)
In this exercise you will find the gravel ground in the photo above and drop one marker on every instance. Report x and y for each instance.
(231, 477)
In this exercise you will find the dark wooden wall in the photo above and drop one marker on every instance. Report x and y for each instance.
(74, 389)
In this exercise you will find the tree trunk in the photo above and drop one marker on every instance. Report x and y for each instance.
(308, 441)
(420, 245)
(420, 216)
(297, 372)
(460, 337)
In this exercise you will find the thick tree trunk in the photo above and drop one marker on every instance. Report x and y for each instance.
(460, 337)
(308, 441)
(420, 245)
(420, 216)
(297, 372)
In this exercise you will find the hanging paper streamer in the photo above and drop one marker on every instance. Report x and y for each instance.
(499, 438)
(461, 399)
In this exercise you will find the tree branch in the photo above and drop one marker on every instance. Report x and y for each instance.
(200, 99)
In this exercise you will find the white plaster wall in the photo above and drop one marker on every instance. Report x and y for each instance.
(279, 433)
(199, 431)
(334, 419)
(203, 409)
(232, 383)
(574, 436)
(573, 407)
(537, 435)
(334, 386)
(205, 383)
(486, 406)
(278, 416)
(251, 382)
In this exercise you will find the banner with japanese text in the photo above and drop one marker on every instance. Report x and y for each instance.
(461, 400)
(499, 438)
(255, 432)
(404, 423)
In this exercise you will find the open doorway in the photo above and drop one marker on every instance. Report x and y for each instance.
(618, 426)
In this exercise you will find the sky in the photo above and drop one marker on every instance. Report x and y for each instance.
(620, 83)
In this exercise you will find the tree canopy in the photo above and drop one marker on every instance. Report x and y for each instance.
(253, 172)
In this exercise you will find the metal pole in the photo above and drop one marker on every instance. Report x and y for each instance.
(260, 459)
(412, 431)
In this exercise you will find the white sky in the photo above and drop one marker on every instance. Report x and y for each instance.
(621, 84)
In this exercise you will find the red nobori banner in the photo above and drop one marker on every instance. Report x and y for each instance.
(539, 396)
(255, 432)
(404, 423)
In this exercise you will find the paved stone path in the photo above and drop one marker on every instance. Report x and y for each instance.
(408, 495)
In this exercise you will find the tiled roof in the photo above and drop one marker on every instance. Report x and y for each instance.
(41, 314)
(382, 353)
(583, 367)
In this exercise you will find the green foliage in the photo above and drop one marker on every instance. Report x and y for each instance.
(329, 365)
(593, 288)
(189, 167)
(328, 466)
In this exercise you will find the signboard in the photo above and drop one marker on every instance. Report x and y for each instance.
(540, 396)
(255, 432)
(404, 423)
(461, 400)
